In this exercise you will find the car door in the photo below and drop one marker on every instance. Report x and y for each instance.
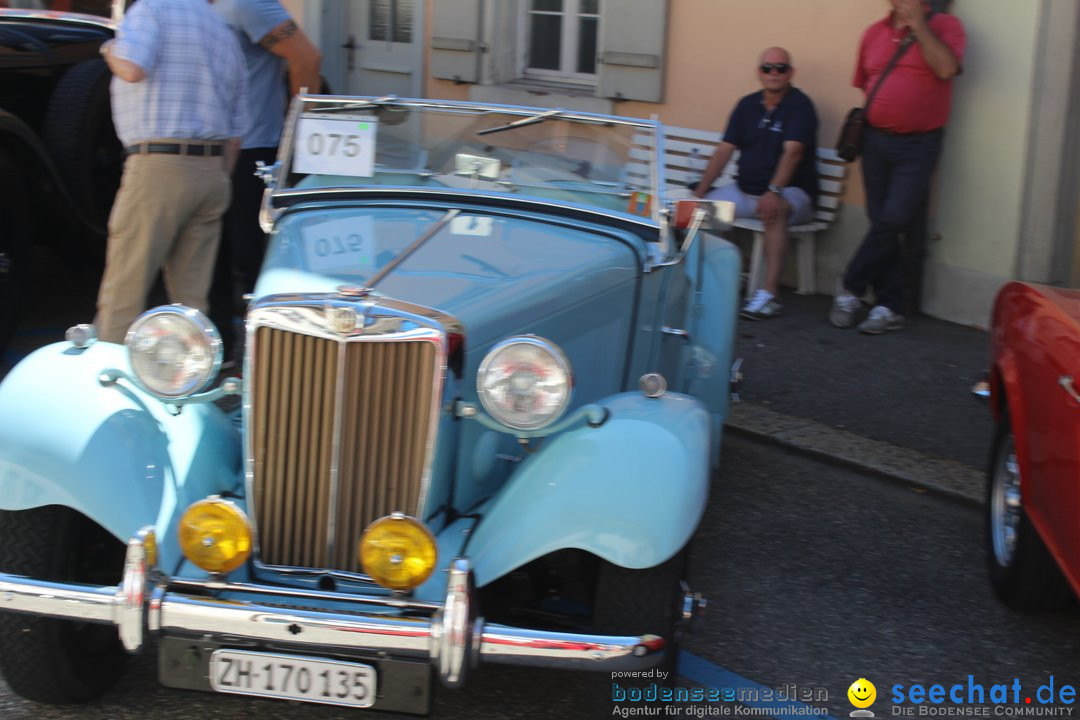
(1054, 428)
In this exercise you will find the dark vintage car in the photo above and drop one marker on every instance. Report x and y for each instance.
(60, 160)
(487, 365)
(1033, 502)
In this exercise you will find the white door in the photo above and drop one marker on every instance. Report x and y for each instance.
(382, 47)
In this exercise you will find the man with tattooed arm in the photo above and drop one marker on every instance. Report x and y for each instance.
(272, 43)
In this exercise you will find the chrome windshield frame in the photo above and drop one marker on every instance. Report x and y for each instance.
(311, 102)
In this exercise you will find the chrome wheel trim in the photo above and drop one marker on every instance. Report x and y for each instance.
(1005, 503)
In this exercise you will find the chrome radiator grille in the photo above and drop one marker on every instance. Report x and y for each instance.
(339, 436)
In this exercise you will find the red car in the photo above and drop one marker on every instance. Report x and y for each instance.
(1033, 482)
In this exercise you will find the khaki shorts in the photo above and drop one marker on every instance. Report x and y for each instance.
(746, 205)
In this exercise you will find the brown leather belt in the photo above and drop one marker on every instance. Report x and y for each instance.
(178, 148)
(893, 133)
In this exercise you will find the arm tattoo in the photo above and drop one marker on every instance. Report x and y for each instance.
(283, 31)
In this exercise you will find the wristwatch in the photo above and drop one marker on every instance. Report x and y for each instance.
(774, 188)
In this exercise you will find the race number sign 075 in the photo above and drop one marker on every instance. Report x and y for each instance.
(335, 145)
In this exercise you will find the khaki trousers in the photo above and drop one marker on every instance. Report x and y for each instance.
(167, 216)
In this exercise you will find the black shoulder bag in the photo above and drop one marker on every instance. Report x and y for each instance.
(850, 144)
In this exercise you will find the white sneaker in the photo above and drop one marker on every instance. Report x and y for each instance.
(844, 307)
(761, 306)
(881, 319)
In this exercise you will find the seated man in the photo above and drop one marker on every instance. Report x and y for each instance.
(775, 131)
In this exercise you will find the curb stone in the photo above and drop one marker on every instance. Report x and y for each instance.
(946, 477)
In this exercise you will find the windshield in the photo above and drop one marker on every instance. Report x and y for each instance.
(599, 161)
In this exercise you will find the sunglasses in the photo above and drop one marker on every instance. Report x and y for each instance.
(780, 68)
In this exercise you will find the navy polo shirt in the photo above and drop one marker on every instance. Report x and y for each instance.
(760, 135)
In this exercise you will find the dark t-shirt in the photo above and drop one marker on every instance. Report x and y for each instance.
(760, 135)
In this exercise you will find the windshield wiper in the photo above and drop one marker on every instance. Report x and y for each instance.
(520, 123)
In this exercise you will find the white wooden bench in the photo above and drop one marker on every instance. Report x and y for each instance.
(687, 151)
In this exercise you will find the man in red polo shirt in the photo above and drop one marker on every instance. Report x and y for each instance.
(903, 142)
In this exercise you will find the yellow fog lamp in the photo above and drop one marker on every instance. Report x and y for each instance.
(215, 535)
(398, 552)
(149, 540)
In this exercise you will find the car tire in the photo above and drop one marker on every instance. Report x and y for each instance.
(44, 659)
(1022, 571)
(78, 130)
(14, 247)
(631, 602)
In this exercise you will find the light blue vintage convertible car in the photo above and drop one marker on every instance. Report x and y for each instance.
(487, 364)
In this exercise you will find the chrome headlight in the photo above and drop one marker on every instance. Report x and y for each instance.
(525, 382)
(175, 351)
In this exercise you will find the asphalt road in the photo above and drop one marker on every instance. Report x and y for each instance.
(909, 388)
(816, 576)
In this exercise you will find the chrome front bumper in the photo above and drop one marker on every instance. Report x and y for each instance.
(454, 640)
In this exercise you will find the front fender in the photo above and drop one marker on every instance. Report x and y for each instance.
(630, 491)
(111, 452)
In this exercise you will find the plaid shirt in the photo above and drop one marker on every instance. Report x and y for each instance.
(196, 81)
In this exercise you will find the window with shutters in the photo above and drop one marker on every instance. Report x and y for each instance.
(390, 21)
(561, 40)
(610, 49)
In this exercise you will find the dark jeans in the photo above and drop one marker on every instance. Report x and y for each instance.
(243, 243)
(896, 174)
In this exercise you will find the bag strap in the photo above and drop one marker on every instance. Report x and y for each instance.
(904, 45)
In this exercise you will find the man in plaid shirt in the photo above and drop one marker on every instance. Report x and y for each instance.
(179, 99)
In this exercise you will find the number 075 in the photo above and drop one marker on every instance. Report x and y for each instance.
(329, 143)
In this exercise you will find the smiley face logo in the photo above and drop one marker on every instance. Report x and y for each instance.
(862, 693)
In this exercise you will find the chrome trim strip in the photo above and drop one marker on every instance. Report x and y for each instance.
(335, 451)
(541, 205)
(353, 577)
(267, 212)
(389, 601)
(505, 645)
(658, 173)
(370, 100)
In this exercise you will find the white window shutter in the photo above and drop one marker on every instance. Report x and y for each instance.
(631, 50)
(456, 40)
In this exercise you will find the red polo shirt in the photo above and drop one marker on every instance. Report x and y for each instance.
(912, 99)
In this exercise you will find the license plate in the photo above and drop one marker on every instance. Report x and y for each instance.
(292, 677)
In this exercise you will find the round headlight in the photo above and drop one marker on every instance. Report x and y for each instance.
(175, 351)
(398, 552)
(215, 535)
(525, 382)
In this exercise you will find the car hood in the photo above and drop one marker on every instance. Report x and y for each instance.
(42, 40)
(24, 31)
(497, 274)
(1068, 299)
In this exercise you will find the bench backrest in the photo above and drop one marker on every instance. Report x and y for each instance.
(687, 151)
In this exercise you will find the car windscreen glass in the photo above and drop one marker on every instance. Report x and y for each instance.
(598, 161)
